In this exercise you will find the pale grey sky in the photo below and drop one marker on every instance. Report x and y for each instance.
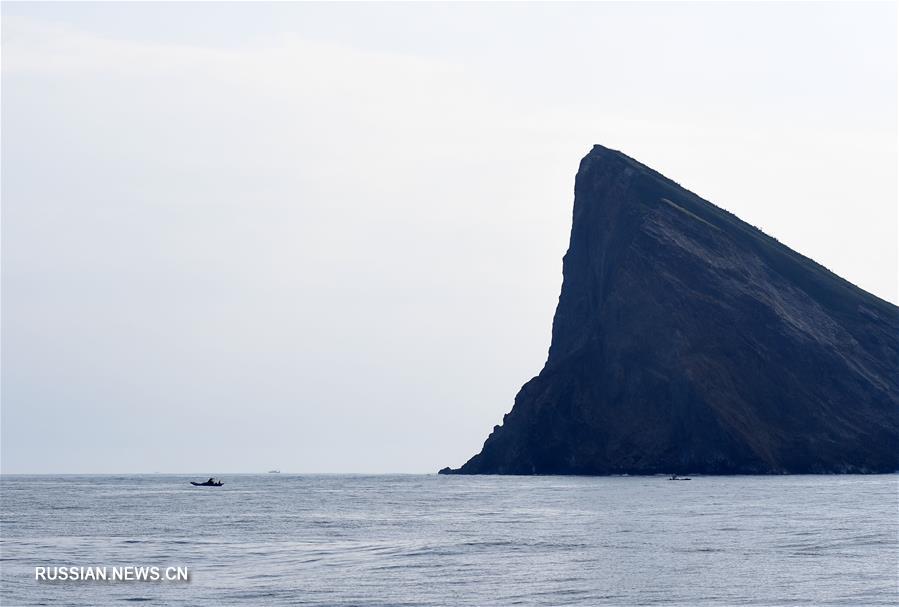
(328, 237)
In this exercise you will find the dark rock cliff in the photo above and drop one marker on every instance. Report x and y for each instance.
(685, 340)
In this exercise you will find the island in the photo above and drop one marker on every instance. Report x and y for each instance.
(688, 341)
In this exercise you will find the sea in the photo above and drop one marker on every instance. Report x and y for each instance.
(344, 540)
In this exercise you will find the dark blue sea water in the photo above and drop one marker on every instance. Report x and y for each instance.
(435, 540)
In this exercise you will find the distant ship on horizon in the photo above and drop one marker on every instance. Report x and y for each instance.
(274, 472)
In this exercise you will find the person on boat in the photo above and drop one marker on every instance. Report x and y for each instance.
(211, 480)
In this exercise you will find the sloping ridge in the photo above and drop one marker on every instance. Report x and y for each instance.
(686, 340)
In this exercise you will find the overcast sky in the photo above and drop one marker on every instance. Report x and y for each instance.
(328, 238)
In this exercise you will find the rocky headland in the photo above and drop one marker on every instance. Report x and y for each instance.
(686, 340)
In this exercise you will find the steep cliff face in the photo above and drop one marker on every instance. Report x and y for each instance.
(685, 340)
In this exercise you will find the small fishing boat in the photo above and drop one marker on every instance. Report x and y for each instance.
(210, 483)
(675, 477)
